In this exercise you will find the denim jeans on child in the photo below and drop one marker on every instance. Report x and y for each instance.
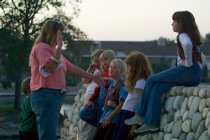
(46, 104)
(157, 84)
(92, 113)
(121, 130)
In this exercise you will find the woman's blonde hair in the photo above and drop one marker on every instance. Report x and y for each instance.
(121, 66)
(49, 31)
(138, 68)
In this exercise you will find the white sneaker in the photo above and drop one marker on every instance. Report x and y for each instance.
(135, 120)
(146, 129)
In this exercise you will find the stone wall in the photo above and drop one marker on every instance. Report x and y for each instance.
(185, 115)
(69, 129)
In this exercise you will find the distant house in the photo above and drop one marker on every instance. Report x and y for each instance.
(122, 48)
(152, 49)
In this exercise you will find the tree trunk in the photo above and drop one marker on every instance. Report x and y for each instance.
(18, 80)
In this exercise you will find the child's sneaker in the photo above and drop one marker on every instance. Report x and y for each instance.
(135, 120)
(144, 129)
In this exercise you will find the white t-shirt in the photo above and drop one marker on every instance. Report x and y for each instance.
(132, 99)
(91, 87)
(187, 46)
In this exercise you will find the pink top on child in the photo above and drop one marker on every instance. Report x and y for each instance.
(39, 57)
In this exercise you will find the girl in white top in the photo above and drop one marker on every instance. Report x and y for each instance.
(187, 73)
(139, 69)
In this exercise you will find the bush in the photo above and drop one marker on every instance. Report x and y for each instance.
(8, 110)
(6, 84)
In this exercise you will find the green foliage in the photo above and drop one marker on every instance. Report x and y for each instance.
(207, 38)
(73, 53)
(71, 81)
(205, 74)
(20, 22)
(160, 64)
(170, 42)
(8, 110)
(20, 25)
(6, 84)
(11, 58)
(70, 35)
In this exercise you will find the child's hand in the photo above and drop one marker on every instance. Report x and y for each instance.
(92, 67)
(131, 132)
(183, 62)
(89, 103)
(106, 122)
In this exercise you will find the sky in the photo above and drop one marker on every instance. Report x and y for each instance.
(137, 20)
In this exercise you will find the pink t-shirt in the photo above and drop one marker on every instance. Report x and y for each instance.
(39, 57)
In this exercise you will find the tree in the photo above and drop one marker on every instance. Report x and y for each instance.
(207, 38)
(20, 20)
(160, 64)
(9, 57)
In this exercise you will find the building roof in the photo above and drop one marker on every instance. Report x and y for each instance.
(122, 48)
(148, 48)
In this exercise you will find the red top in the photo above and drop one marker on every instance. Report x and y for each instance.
(105, 74)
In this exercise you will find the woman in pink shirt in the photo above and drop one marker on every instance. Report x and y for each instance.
(48, 72)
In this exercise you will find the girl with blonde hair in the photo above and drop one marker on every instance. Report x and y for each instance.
(115, 97)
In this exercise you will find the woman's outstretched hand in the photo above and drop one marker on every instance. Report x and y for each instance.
(99, 80)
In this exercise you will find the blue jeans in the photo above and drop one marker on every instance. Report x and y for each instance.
(91, 114)
(157, 84)
(121, 130)
(46, 104)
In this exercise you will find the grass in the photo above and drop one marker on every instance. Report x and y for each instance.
(9, 112)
